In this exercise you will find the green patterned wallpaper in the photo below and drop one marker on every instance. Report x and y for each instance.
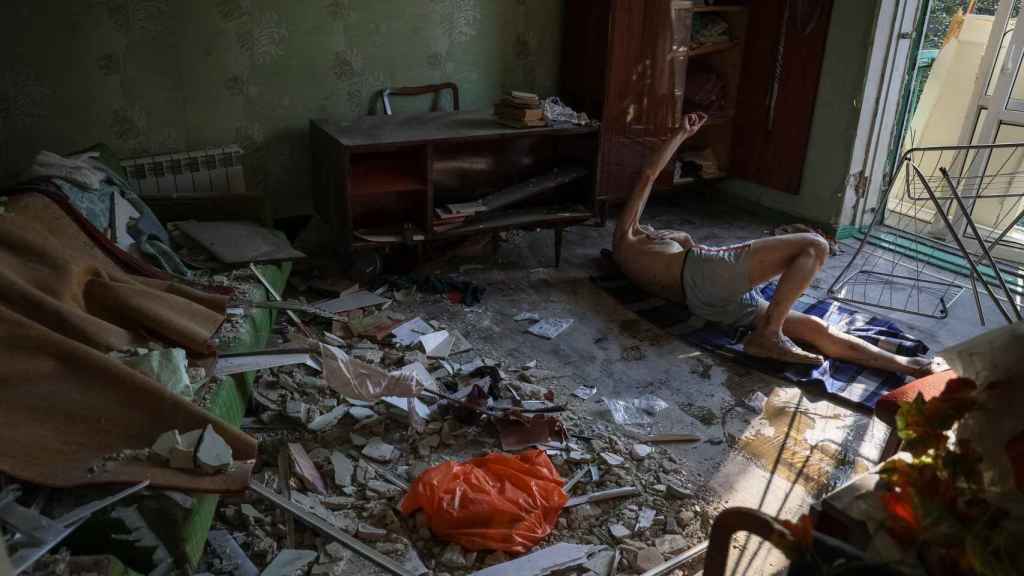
(149, 76)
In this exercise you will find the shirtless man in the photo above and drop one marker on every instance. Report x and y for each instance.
(718, 284)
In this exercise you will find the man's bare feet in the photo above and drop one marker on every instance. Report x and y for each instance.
(921, 367)
(775, 346)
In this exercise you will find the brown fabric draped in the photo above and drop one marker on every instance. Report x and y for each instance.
(65, 405)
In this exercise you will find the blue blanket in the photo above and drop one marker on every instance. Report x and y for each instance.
(850, 382)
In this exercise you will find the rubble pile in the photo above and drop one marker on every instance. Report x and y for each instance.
(349, 462)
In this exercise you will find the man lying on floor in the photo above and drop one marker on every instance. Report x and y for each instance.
(719, 284)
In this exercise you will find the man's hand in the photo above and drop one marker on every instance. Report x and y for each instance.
(692, 123)
(681, 238)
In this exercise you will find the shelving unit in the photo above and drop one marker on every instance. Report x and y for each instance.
(725, 60)
(626, 62)
(379, 181)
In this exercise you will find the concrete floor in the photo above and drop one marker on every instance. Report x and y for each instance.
(779, 460)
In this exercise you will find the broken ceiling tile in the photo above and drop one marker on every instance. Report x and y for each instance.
(550, 327)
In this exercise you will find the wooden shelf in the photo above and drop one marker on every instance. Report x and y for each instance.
(376, 181)
(506, 219)
(718, 9)
(705, 50)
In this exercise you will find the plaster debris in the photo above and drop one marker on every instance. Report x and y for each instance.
(641, 451)
(648, 558)
(343, 469)
(213, 454)
(619, 532)
(379, 451)
(612, 459)
(289, 562)
(550, 328)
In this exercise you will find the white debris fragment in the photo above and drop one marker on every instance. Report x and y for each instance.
(343, 469)
(585, 392)
(213, 454)
(379, 451)
(527, 317)
(641, 451)
(612, 459)
(550, 327)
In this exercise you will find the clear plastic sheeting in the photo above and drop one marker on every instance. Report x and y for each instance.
(636, 411)
(558, 114)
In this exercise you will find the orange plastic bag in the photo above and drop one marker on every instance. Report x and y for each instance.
(498, 502)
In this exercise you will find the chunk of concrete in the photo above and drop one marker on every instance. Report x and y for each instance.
(372, 533)
(164, 443)
(612, 459)
(379, 451)
(677, 491)
(183, 458)
(343, 469)
(641, 451)
(361, 413)
(670, 543)
(383, 489)
(619, 532)
(289, 562)
(649, 558)
(213, 455)
(452, 557)
(191, 438)
(328, 420)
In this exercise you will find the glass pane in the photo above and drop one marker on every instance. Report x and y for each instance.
(994, 78)
(1004, 175)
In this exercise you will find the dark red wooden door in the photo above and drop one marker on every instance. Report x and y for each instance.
(785, 48)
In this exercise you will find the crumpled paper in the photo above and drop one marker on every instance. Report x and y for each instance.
(357, 380)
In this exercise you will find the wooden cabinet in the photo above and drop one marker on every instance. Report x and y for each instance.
(636, 84)
(383, 181)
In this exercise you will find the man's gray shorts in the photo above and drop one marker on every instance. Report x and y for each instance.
(718, 288)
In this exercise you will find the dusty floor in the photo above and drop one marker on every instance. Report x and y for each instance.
(766, 444)
(779, 461)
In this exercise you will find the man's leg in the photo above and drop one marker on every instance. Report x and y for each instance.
(795, 259)
(834, 344)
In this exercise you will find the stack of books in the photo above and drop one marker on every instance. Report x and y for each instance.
(453, 215)
(520, 110)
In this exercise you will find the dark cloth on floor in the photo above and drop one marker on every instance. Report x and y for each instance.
(849, 382)
(67, 406)
(457, 291)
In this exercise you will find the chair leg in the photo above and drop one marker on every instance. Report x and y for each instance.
(558, 246)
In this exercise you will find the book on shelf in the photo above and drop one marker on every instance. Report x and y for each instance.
(506, 112)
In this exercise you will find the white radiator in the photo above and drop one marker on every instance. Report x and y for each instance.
(213, 172)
